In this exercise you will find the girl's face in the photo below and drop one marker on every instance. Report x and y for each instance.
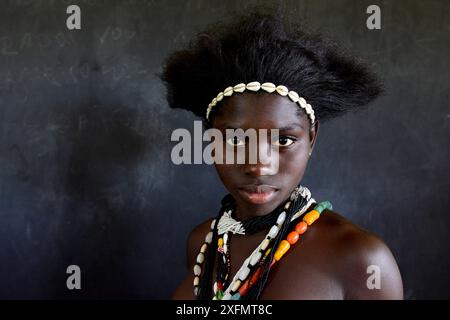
(295, 141)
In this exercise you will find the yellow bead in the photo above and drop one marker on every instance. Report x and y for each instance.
(220, 242)
(282, 249)
(236, 285)
(267, 252)
(311, 216)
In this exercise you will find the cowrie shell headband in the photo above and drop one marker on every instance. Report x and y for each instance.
(268, 87)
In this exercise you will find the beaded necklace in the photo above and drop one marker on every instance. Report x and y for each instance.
(251, 269)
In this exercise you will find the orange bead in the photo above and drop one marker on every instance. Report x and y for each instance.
(292, 237)
(282, 249)
(311, 216)
(255, 276)
(301, 227)
(244, 288)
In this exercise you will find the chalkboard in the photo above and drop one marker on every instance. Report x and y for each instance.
(85, 171)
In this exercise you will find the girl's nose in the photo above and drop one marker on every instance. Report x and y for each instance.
(267, 161)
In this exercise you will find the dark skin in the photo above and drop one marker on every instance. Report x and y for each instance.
(330, 261)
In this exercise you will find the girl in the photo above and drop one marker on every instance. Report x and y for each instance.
(271, 239)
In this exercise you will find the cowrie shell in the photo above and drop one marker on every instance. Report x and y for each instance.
(239, 87)
(197, 270)
(214, 102)
(253, 86)
(268, 87)
(282, 90)
(208, 237)
(200, 258)
(220, 96)
(293, 96)
(307, 109)
(228, 91)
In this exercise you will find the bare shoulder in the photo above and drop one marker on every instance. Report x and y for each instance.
(366, 266)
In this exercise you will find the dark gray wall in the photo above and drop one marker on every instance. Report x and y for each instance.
(85, 170)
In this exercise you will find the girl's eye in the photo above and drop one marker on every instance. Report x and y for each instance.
(284, 141)
(235, 141)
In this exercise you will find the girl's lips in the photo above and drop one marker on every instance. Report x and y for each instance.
(257, 194)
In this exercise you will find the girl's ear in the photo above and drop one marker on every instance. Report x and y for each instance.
(313, 132)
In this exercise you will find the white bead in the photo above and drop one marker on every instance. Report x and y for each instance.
(197, 270)
(203, 248)
(226, 296)
(196, 291)
(228, 91)
(225, 238)
(268, 87)
(196, 281)
(208, 237)
(239, 87)
(281, 218)
(282, 90)
(244, 273)
(215, 287)
(273, 232)
(255, 258)
(253, 86)
(200, 258)
(220, 96)
(213, 224)
(293, 96)
(265, 244)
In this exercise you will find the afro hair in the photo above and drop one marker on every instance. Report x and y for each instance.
(260, 45)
